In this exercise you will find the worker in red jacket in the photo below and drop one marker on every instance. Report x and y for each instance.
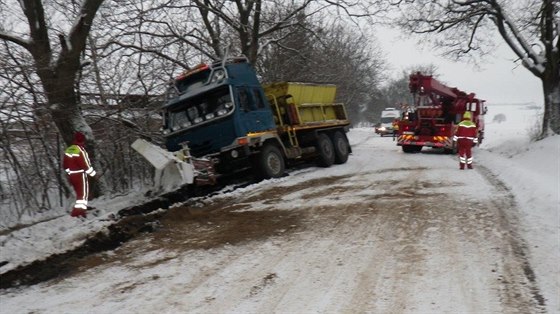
(466, 135)
(78, 167)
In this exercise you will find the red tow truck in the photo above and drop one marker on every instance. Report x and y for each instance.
(437, 109)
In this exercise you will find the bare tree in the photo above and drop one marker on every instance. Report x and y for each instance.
(210, 27)
(258, 23)
(530, 28)
(56, 56)
(396, 91)
(29, 156)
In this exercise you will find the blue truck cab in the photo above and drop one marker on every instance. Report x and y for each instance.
(214, 104)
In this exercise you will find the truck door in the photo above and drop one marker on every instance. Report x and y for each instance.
(255, 114)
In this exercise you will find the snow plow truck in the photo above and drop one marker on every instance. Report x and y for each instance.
(221, 121)
(432, 119)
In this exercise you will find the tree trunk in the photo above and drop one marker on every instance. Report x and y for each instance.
(551, 118)
(551, 74)
(551, 90)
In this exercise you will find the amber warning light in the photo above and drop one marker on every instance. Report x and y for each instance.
(196, 69)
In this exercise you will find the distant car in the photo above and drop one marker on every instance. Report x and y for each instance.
(384, 130)
(388, 116)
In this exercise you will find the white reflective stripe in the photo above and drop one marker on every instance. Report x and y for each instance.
(82, 206)
(469, 160)
(467, 137)
(468, 126)
(73, 171)
(90, 171)
(462, 159)
(86, 157)
(72, 155)
(455, 138)
(475, 139)
(85, 190)
(82, 203)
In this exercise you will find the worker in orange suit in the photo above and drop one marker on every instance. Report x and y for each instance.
(77, 165)
(466, 136)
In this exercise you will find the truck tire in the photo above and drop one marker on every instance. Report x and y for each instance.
(411, 148)
(325, 149)
(341, 148)
(270, 162)
(451, 151)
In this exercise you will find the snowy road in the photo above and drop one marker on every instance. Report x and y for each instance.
(386, 232)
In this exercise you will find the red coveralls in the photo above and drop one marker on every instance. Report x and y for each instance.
(465, 136)
(78, 166)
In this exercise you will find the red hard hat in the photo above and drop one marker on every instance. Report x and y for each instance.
(79, 138)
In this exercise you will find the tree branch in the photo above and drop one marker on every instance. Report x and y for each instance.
(16, 40)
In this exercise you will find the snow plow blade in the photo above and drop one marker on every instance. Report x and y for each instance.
(173, 170)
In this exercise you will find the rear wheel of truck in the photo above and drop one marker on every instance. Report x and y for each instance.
(451, 151)
(341, 148)
(325, 149)
(411, 148)
(270, 162)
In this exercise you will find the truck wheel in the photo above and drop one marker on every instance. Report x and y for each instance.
(270, 162)
(411, 148)
(341, 148)
(451, 151)
(325, 149)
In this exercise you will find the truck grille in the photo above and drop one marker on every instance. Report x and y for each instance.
(201, 149)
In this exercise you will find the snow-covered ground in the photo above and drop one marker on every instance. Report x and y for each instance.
(531, 171)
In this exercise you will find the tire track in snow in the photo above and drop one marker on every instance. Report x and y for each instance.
(507, 210)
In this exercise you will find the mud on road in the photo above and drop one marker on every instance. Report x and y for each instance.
(377, 247)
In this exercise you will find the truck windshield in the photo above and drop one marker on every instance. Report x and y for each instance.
(192, 81)
(205, 107)
(387, 119)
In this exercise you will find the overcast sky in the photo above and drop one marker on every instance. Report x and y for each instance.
(498, 80)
